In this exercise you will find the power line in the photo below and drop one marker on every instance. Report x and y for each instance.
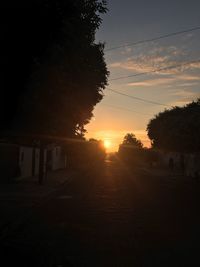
(126, 109)
(155, 38)
(138, 98)
(156, 70)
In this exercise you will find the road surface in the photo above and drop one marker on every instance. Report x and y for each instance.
(114, 216)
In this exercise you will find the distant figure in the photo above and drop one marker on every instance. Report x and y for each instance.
(171, 164)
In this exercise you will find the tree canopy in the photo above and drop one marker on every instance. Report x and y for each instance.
(131, 140)
(54, 73)
(177, 129)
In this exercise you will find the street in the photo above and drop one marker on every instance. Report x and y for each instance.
(114, 216)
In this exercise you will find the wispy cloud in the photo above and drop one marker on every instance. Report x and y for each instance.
(183, 96)
(144, 63)
(184, 93)
(182, 80)
(157, 58)
(152, 82)
(187, 84)
(188, 77)
(195, 65)
(127, 50)
(180, 102)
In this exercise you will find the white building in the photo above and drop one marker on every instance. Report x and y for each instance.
(23, 161)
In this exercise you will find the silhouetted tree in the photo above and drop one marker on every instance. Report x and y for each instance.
(131, 140)
(53, 71)
(131, 150)
(176, 129)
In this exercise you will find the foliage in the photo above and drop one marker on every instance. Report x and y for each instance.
(130, 151)
(177, 129)
(131, 140)
(54, 73)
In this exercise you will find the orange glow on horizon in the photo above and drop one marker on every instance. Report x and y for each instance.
(107, 144)
(113, 138)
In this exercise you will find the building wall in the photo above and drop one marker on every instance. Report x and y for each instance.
(29, 161)
(58, 158)
(23, 161)
(175, 156)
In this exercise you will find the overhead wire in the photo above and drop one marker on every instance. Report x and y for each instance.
(156, 70)
(126, 109)
(149, 72)
(139, 98)
(152, 71)
(154, 39)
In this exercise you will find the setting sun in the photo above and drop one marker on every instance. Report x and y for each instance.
(107, 143)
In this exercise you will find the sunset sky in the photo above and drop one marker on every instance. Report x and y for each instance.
(129, 21)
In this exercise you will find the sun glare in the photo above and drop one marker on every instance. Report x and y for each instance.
(107, 144)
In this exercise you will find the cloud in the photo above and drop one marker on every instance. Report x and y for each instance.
(181, 80)
(180, 102)
(153, 82)
(187, 84)
(184, 93)
(157, 58)
(127, 50)
(146, 64)
(188, 77)
(183, 97)
(195, 65)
